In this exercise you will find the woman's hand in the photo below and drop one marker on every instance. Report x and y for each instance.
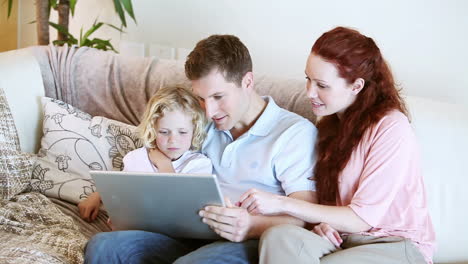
(327, 232)
(260, 202)
(89, 208)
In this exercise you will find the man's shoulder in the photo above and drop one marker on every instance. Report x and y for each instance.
(290, 120)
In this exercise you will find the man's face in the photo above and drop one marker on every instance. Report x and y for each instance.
(224, 102)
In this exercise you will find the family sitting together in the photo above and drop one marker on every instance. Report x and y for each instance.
(349, 190)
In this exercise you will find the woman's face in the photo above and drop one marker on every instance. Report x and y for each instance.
(328, 92)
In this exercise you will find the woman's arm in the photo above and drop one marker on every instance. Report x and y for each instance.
(341, 218)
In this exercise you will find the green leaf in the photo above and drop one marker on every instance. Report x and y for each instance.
(128, 6)
(10, 6)
(116, 28)
(72, 6)
(120, 12)
(64, 30)
(92, 29)
(53, 3)
(32, 22)
(81, 35)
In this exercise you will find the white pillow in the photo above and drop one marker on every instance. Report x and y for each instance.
(73, 143)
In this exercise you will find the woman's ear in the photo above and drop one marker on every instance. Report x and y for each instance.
(358, 85)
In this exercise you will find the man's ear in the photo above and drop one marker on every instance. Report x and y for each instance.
(248, 81)
(358, 84)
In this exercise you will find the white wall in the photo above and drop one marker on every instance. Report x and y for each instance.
(425, 41)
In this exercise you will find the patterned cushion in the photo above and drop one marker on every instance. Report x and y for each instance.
(74, 143)
(15, 167)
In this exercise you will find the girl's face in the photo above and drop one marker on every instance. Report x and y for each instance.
(328, 92)
(174, 132)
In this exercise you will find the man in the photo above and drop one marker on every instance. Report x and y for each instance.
(252, 143)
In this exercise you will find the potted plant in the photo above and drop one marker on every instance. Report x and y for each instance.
(64, 8)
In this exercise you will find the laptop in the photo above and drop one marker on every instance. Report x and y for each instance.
(166, 203)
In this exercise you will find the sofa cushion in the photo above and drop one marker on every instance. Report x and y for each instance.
(74, 143)
(15, 166)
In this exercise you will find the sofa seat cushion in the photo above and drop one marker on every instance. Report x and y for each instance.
(15, 166)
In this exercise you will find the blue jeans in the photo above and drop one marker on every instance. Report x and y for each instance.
(148, 247)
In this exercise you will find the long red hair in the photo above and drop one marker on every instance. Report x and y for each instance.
(355, 56)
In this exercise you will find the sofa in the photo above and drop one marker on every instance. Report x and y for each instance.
(41, 226)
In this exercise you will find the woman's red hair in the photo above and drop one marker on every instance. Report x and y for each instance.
(355, 56)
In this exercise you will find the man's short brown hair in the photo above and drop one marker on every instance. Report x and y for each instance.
(226, 53)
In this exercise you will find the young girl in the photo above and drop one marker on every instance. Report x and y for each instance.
(372, 205)
(172, 129)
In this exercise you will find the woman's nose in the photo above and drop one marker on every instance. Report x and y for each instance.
(311, 91)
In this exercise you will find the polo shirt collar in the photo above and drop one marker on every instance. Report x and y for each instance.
(267, 120)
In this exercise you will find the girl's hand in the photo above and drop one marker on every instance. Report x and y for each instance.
(89, 208)
(327, 232)
(109, 223)
(260, 202)
(161, 161)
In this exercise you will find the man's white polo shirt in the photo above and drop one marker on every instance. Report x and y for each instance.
(275, 155)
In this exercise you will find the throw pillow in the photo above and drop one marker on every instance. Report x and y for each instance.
(15, 166)
(75, 143)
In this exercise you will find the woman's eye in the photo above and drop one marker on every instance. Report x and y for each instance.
(321, 85)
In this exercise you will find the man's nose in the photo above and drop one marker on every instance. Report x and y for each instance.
(210, 109)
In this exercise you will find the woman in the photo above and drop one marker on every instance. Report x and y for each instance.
(372, 204)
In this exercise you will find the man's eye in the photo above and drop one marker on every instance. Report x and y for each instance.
(307, 78)
(217, 97)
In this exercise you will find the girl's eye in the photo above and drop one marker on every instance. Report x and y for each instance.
(183, 132)
(162, 132)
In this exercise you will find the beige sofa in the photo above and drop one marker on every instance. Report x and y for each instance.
(117, 87)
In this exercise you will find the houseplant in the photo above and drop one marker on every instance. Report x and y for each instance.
(64, 8)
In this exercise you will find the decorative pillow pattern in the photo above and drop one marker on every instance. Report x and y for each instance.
(74, 143)
(15, 167)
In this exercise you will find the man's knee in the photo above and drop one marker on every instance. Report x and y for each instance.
(279, 232)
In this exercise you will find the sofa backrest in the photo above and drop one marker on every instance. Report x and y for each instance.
(20, 78)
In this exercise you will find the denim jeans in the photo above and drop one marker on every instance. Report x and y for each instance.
(147, 247)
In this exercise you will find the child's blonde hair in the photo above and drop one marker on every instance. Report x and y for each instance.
(170, 99)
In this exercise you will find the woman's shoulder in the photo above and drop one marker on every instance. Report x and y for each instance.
(393, 124)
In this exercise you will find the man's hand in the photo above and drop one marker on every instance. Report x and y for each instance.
(327, 232)
(89, 208)
(231, 223)
(260, 202)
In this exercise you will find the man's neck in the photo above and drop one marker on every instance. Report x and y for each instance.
(256, 108)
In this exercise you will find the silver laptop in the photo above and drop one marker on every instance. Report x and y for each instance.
(166, 203)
